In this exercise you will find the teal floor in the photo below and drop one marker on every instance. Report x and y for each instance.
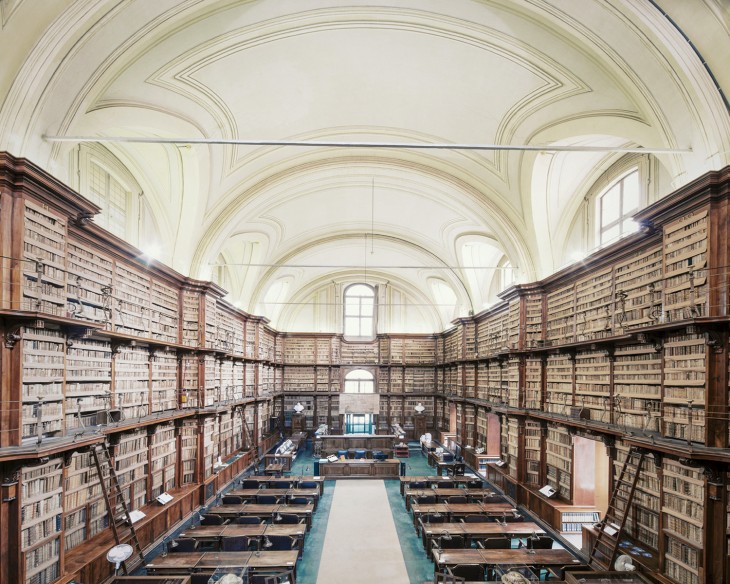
(419, 567)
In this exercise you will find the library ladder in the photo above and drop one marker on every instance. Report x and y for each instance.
(605, 546)
(116, 507)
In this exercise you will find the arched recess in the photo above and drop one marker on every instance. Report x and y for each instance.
(359, 381)
(403, 307)
(478, 202)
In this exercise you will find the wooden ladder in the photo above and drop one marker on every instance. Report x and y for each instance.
(116, 507)
(610, 530)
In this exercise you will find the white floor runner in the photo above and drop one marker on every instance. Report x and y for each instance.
(361, 544)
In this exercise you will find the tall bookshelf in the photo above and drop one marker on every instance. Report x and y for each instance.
(559, 460)
(131, 301)
(41, 516)
(131, 465)
(88, 382)
(44, 261)
(593, 305)
(559, 389)
(132, 381)
(533, 453)
(163, 459)
(560, 326)
(84, 509)
(683, 500)
(593, 384)
(685, 261)
(164, 381)
(637, 386)
(685, 376)
(44, 362)
(90, 278)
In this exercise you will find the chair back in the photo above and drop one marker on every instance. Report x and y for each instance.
(456, 542)
(232, 500)
(280, 542)
(289, 519)
(280, 484)
(468, 571)
(247, 520)
(212, 520)
(432, 518)
(495, 543)
(249, 484)
(238, 543)
(184, 545)
(308, 485)
(417, 485)
(426, 499)
(298, 501)
(445, 485)
(475, 519)
(541, 542)
(458, 499)
(267, 499)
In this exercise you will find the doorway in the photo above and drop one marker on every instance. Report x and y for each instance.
(358, 423)
(591, 467)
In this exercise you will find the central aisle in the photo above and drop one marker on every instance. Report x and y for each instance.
(361, 544)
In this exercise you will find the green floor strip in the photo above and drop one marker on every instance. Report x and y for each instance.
(308, 566)
(420, 569)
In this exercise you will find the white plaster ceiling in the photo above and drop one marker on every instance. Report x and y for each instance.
(514, 72)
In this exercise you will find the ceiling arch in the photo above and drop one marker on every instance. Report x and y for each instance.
(512, 72)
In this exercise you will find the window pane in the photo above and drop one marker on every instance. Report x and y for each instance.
(352, 328)
(631, 193)
(352, 307)
(610, 206)
(366, 326)
(610, 234)
(629, 226)
(366, 309)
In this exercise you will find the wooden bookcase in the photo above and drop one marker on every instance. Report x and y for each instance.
(101, 346)
(629, 347)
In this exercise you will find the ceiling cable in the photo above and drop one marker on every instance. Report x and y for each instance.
(394, 145)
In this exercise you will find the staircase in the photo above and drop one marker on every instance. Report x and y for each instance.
(116, 506)
(610, 530)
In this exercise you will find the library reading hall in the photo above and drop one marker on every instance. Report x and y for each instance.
(364, 292)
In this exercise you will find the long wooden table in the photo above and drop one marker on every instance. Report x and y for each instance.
(251, 494)
(434, 480)
(230, 511)
(443, 495)
(360, 468)
(293, 479)
(505, 558)
(215, 533)
(452, 510)
(208, 562)
(478, 530)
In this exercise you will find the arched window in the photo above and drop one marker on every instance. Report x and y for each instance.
(359, 381)
(507, 275)
(359, 312)
(616, 205)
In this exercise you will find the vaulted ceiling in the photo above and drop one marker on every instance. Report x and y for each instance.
(287, 221)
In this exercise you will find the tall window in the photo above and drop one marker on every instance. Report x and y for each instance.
(107, 192)
(359, 311)
(615, 207)
(359, 381)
